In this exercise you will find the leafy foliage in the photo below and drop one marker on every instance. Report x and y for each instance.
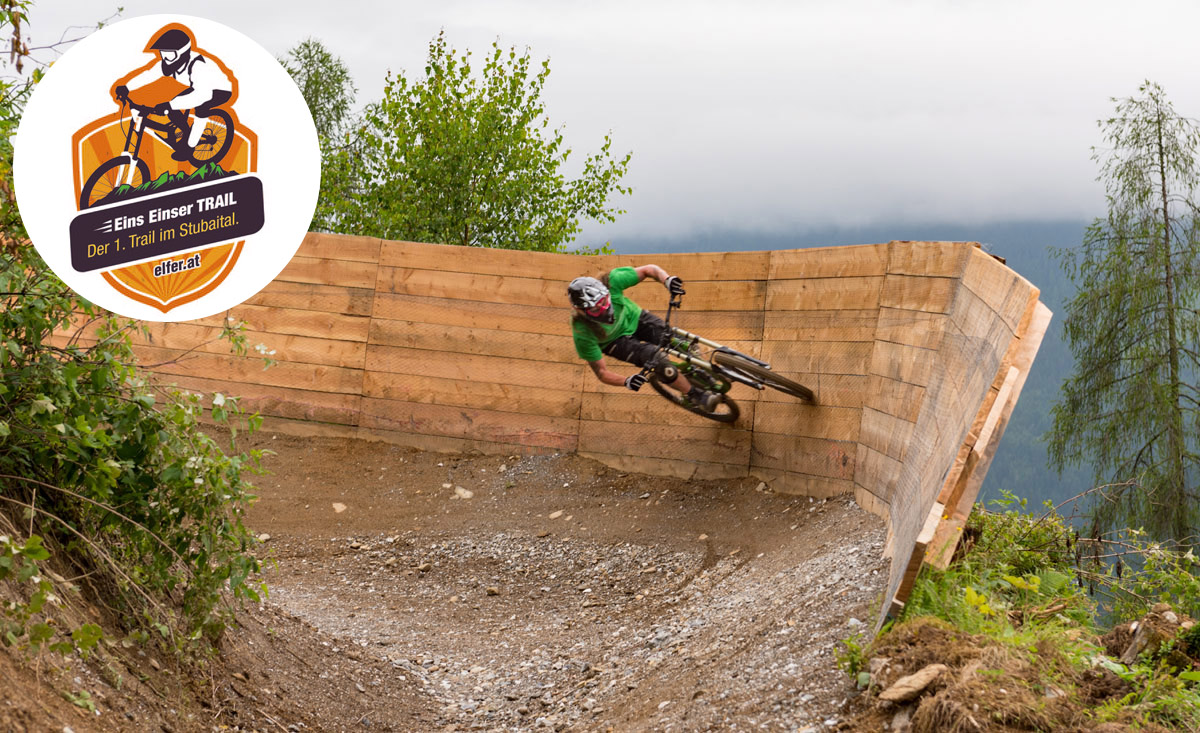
(99, 467)
(1131, 407)
(462, 158)
(328, 89)
(1022, 584)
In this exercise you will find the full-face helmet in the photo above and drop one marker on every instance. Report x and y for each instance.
(591, 298)
(175, 47)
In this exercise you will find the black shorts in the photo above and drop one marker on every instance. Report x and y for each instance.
(639, 347)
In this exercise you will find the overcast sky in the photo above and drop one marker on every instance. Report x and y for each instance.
(779, 116)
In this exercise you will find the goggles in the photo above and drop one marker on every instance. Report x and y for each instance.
(599, 308)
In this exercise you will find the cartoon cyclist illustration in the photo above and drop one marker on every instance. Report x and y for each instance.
(183, 84)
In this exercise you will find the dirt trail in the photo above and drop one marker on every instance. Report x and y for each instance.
(553, 593)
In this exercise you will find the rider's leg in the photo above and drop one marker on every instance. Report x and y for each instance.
(197, 131)
(642, 346)
(200, 114)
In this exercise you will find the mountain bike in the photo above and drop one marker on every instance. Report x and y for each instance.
(127, 169)
(683, 352)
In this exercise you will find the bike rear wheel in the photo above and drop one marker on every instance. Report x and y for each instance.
(216, 139)
(727, 410)
(109, 177)
(761, 374)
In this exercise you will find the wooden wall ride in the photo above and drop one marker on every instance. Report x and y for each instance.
(917, 352)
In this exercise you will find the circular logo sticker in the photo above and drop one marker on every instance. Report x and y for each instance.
(167, 168)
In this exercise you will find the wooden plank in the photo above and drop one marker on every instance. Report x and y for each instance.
(722, 296)
(451, 445)
(306, 428)
(473, 394)
(812, 456)
(914, 328)
(1004, 291)
(873, 504)
(798, 484)
(913, 564)
(716, 325)
(876, 473)
(321, 271)
(188, 336)
(473, 313)
(297, 323)
(903, 363)
(510, 289)
(832, 390)
(676, 468)
(918, 293)
(842, 293)
(695, 267)
(959, 471)
(848, 357)
(1017, 363)
(647, 408)
(340, 247)
(885, 433)
(481, 341)
(721, 326)
(930, 259)
(295, 404)
(710, 443)
(449, 365)
(484, 425)
(800, 419)
(488, 261)
(243, 369)
(310, 297)
(820, 325)
(865, 260)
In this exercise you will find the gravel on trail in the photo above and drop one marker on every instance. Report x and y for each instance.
(550, 592)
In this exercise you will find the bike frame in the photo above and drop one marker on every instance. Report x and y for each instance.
(690, 339)
(139, 122)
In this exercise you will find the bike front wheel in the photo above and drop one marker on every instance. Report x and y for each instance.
(764, 375)
(726, 411)
(216, 139)
(111, 175)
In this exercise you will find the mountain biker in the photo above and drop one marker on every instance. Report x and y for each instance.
(207, 83)
(606, 322)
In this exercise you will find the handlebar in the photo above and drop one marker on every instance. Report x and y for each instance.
(161, 109)
(675, 301)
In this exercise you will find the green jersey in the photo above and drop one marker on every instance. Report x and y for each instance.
(591, 335)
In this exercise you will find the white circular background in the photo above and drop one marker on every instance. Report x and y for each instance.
(75, 91)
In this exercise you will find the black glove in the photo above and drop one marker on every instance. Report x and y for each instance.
(675, 285)
(122, 92)
(635, 382)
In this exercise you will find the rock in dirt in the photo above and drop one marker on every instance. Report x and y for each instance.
(911, 687)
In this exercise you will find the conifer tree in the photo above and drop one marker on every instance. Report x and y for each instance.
(1132, 408)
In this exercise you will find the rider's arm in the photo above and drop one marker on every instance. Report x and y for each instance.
(205, 77)
(653, 271)
(149, 76)
(606, 375)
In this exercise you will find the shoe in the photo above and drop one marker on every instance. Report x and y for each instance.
(181, 154)
(706, 401)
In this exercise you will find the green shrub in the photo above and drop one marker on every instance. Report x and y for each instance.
(108, 471)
